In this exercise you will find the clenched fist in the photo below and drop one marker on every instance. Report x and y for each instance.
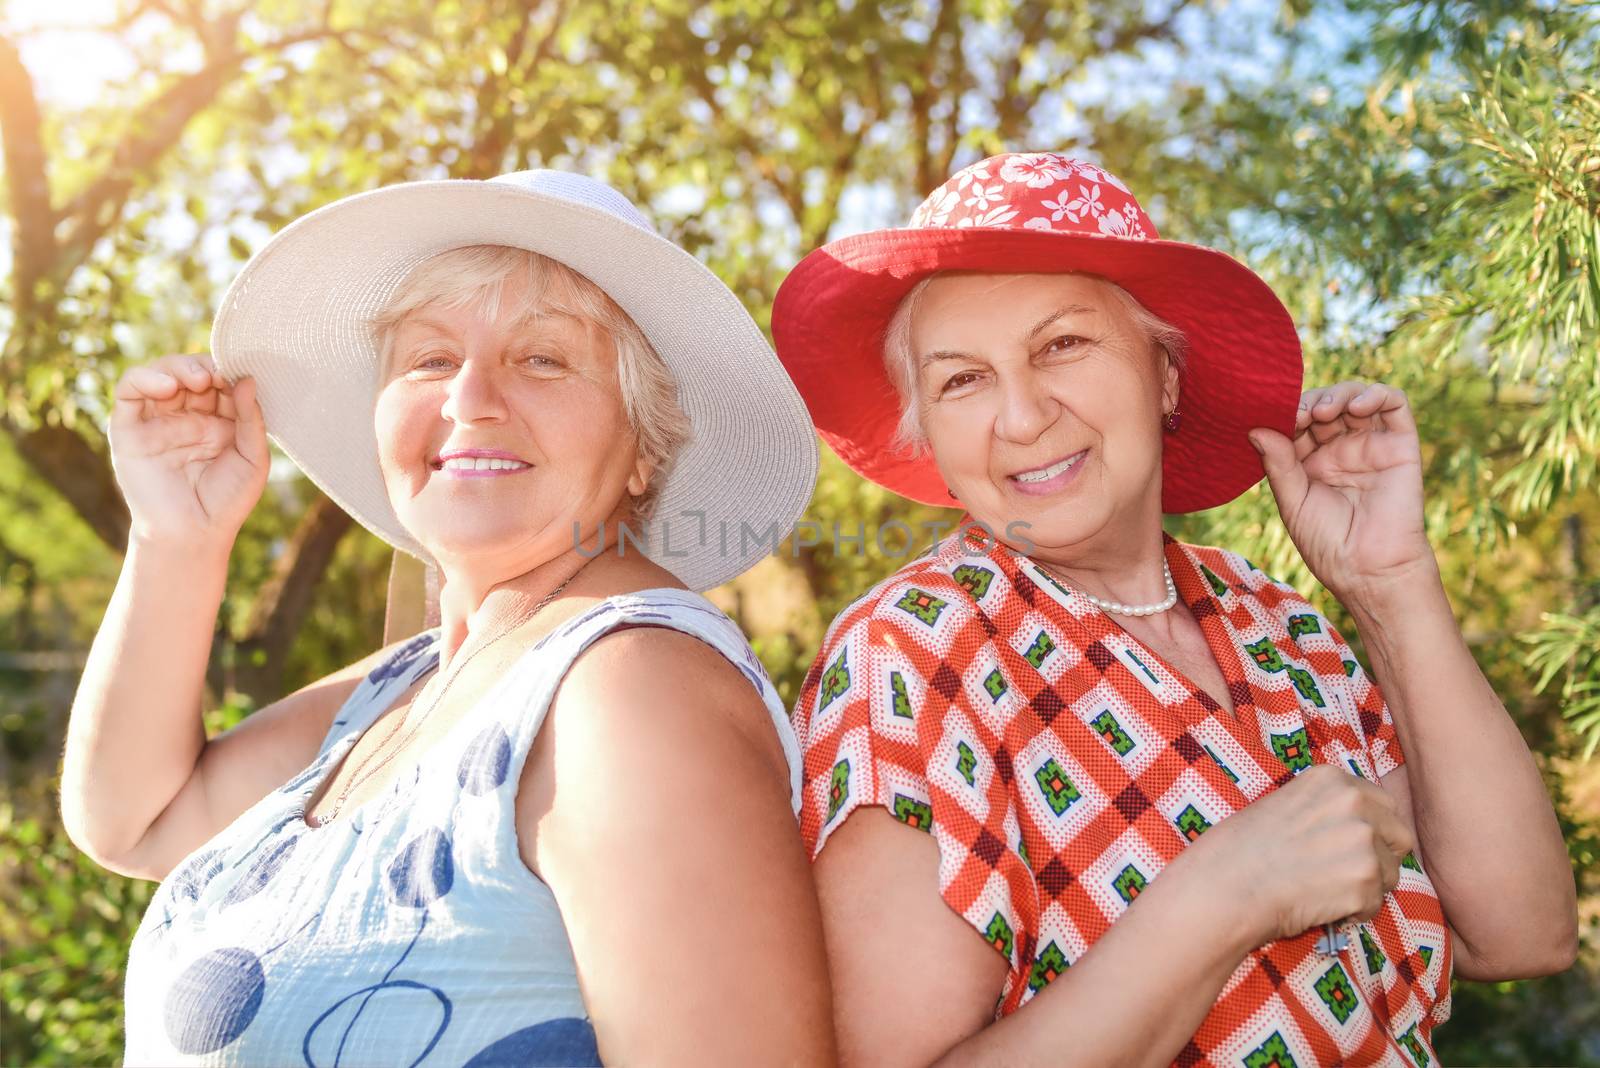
(1323, 848)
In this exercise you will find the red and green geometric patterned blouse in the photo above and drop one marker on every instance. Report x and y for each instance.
(1060, 765)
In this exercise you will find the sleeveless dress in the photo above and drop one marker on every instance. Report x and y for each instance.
(410, 931)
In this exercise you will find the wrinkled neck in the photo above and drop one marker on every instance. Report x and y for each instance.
(1123, 562)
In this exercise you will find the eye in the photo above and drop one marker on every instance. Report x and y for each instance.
(432, 360)
(1063, 344)
(958, 380)
(541, 363)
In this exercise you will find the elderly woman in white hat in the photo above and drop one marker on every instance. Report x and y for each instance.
(560, 826)
(1078, 792)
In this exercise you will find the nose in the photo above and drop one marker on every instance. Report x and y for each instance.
(474, 394)
(1026, 409)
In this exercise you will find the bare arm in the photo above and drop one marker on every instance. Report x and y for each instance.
(141, 787)
(914, 983)
(664, 829)
(1349, 486)
(135, 733)
(1488, 834)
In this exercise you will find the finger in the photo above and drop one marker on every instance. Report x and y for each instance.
(140, 384)
(188, 431)
(208, 399)
(219, 381)
(192, 370)
(226, 406)
(1284, 473)
(1322, 433)
(1321, 404)
(1394, 412)
(1388, 862)
(1331, 402)
(204, 400)
(1304, 443)
(1369, 400)
(1366, 411)
(1397, 838)
(164, 387)
(250, 433)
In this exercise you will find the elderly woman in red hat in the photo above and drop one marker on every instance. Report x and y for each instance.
(1137, 786)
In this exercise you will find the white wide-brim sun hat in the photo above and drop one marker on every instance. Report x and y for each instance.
(296, 319)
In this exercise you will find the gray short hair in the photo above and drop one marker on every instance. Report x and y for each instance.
(476, 275)
(901, 362)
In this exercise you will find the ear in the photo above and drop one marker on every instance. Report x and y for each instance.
(639, 479)
(1169, 381)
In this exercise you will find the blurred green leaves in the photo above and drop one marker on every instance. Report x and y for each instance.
(1419, 181)
(65, 929)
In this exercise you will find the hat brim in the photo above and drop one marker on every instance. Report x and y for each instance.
(1244, 366)
(296, 320)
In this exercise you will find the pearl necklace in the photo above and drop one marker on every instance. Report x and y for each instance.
(1117, 607)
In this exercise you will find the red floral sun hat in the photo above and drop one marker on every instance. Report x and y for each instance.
(1042, 212)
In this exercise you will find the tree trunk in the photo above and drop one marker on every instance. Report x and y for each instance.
(283, 602)
(80, 473)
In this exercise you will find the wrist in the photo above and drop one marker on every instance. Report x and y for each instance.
(185, 552)
(1233, 902)
(1405, 588)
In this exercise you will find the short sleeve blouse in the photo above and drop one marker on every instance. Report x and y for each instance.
(1060, 765)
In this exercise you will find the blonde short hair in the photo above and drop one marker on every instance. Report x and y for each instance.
(476, 275)
(901, 362)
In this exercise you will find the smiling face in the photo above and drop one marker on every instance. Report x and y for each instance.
(500, 425)
(1042, 401)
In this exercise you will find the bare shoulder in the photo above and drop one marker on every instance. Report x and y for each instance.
(656, 806)
(667, 687)
(657, 705)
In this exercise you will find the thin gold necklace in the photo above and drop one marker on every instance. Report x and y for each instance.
(362, 773)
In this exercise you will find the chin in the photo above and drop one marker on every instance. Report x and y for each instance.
(1057, 526)
(457, 541)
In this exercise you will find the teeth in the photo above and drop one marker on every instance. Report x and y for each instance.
(481, 463)
(1049, 472)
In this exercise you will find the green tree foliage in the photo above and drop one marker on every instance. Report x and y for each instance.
(1419, 181)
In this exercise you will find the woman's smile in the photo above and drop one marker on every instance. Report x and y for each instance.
(1051, 478)
(479, 463)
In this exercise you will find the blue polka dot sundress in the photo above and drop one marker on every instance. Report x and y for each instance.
(409, 931)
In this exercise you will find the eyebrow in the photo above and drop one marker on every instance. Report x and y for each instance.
(425, 323)
(1044, 324)
(533, 316)
(526, 319)
(945, 354)
(1038, 328)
